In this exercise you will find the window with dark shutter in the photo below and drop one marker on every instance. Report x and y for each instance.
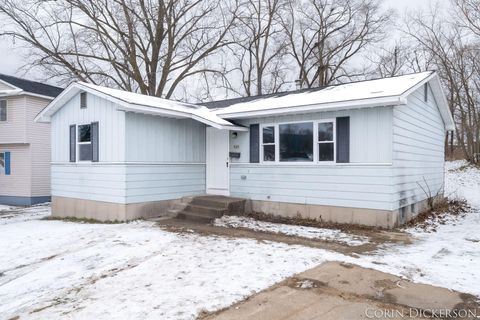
(73, 142)
(94, 137)
(254, 143)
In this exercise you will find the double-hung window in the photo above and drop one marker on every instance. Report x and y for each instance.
(3, 110)
(326, 141)
(268, 143)
(84, 142)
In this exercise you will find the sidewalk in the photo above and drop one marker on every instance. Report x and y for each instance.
(340, 291)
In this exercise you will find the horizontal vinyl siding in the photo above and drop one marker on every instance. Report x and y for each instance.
(39, 138)
(156, 182)
(160, 139)
(19, 181)
(111, 128)
(14, 130)
(343, 186)
(418, 149)
(99, 182)
(370, 133)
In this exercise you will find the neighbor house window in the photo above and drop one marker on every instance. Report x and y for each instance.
(268, 143)
(83, 100)
(2, 161)
(425, 92)
(84, 142)
(3, 110)
(326, 141)
(296, 142)
(5, 163)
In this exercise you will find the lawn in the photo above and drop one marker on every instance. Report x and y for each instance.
(52, 269)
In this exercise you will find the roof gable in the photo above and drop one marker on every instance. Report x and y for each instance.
(31, 86)
(134, 102)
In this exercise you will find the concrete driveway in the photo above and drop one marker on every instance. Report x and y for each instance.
(336, 290)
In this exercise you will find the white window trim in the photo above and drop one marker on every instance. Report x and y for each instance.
(78, 143)
(275, 142)
(319, 142)
(315, 144)
(6, 111)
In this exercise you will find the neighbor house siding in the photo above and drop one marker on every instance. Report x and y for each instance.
(418, 154)
(14, 130)
(38, 135)
(4, 86)
(111, 128)
(370, 133)
(17, 184)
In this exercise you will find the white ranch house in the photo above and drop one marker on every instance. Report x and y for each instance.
(351, 153)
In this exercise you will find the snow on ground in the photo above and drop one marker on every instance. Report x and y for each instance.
(448, 257)
(4, 208)
(291, 230)
(56, 269)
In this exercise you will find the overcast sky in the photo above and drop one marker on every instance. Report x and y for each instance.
(11, 57)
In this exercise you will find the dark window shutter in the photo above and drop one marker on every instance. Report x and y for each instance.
(73, 142)
(7, 161)
(94, 133)
(254, 143)
(343, 139)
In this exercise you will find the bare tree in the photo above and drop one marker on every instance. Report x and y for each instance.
(455, 50)
(326, 36)
(259, 49)
(149, 46)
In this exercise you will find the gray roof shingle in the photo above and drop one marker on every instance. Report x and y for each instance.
(32, 86)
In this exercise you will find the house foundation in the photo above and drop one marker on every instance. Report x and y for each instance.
(63, 207)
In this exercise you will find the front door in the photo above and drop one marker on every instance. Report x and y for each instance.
(217, 161)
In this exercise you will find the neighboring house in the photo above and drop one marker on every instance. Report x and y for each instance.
(24, 144)
(353, 153)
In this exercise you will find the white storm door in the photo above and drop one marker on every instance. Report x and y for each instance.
(217, 161)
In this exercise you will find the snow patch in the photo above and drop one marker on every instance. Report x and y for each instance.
(291, 230)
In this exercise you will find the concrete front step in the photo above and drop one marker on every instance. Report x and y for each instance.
(207, 208)
(192, 216)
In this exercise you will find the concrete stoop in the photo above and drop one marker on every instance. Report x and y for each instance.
(208, 208)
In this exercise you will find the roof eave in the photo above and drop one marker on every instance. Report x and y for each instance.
(341, 105)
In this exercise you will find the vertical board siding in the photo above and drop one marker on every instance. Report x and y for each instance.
(111, 128)
(343, 186)
(160, 139)
(418, 149)
(370, 133)
(156, 182)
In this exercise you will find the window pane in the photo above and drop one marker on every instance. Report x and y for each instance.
(269, 152)
(269, 135)
(84, 133)
(85, 152)
(2, 160)
(325, 152)
(3, 111)
(296, 142)
(325, 131)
